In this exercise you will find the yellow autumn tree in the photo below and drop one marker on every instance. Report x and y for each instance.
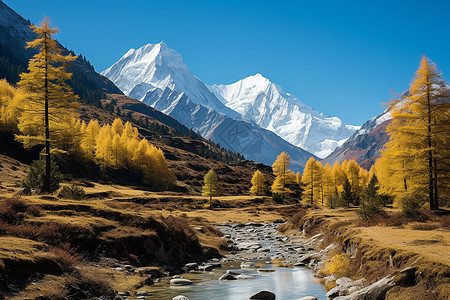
(338, 177)
(311, 180)
(88, 142)
(284, 176)
(211, 186)
(50, 104)
(417, 156)
(258, 184)
(298, 177)
(353, 172)
(328, 188)
(11, 99)
(103, 152)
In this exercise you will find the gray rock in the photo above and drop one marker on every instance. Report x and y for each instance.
(227, 276)
(205, 268)
(248, 265)
(336, 292)
(191, 266)
(180, 281)
(263, 295)
(375, 291)
(344, 281)
(233, 273)
(180, 297)
(244, 277)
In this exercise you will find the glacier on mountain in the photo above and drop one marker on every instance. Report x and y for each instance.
(257, 99)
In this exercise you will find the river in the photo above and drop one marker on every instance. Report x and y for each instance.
(259, 245)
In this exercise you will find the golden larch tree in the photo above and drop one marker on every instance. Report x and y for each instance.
(311, 180)
(258, 184)
(284, 176)
(211, 186)
(51, 103)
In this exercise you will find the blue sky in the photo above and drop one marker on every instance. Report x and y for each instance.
(343, 58)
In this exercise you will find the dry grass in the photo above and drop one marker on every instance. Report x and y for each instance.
(431, 244)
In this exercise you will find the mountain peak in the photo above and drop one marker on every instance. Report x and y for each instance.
(158, 67)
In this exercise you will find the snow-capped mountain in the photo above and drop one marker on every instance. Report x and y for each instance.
(254, 142)
(158, 76)
(157, 67)
(265, 103)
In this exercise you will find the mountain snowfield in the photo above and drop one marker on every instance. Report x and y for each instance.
(257, 99)
(249, 120)
(157, 67)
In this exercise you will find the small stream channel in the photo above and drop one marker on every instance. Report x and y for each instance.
(259, 245)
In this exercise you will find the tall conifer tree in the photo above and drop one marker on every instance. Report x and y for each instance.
(51, 103)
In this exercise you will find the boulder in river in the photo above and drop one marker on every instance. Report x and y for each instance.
(205, 268)
(180, 281)
(227, 276)
(180, 297)
(248, 265)
(244, 277)
(266, 270)
(263, 295)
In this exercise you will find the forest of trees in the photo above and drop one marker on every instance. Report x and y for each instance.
(415, 164)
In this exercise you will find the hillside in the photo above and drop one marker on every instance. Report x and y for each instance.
(15, 32)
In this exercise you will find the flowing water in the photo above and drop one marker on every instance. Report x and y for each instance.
(259, 244)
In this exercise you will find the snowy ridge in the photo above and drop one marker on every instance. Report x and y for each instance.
(157, 66)
(265, 103)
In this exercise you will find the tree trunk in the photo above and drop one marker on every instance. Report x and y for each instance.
(46, 122)
(430, 155)
(210, 201)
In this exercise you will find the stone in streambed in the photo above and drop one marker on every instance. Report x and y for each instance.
(248, 265)
(263, 295)
(180, 297)
(227, 276)
(266, 270)
(180, 281)
(244, 277)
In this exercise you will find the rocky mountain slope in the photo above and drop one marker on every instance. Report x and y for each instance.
(265, 103)
(365, 144)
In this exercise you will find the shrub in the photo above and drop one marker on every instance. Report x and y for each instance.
(277, 198)
(410, 206)
(72, 192)
(34, 210)
(34, 180)
(11, 210)
(66, 257)
(340, 265)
